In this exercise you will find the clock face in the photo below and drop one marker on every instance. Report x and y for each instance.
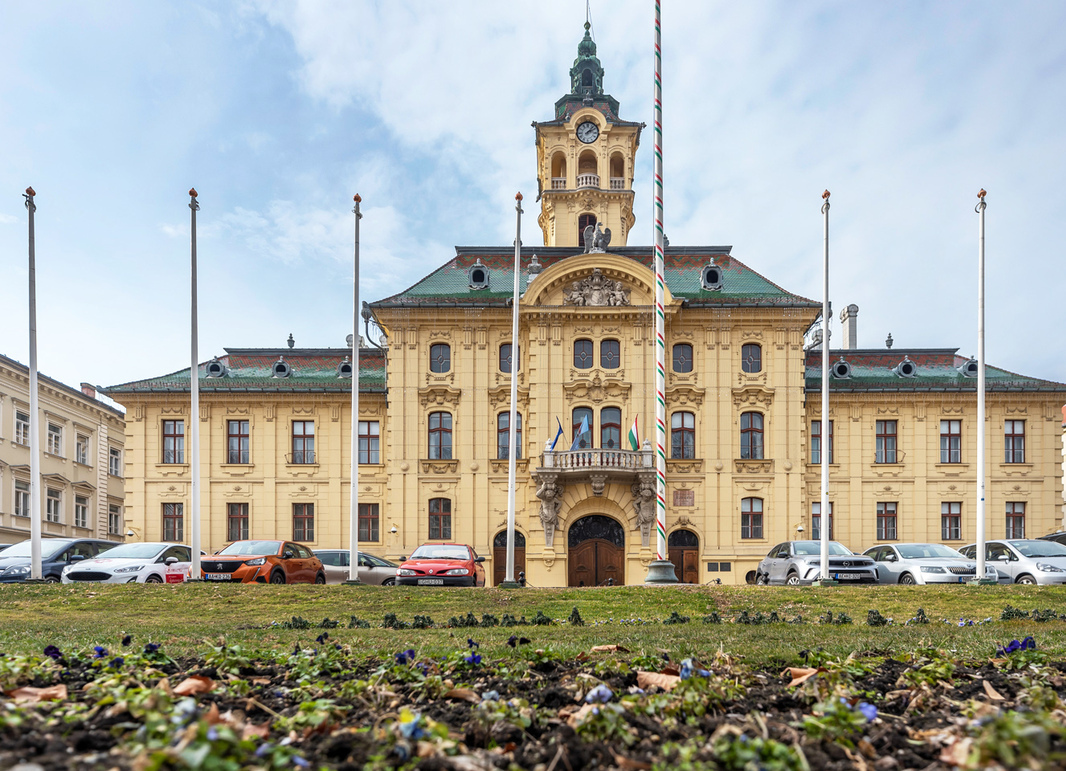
(588, 131)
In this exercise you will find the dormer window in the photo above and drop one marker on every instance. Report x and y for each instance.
(841, 370)
(344, 369)
(479, 276)
(969, 369)
(215, 368)
(280, 368)
(712, 278)
(906, 368)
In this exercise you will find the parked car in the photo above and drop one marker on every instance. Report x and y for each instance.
(442, 564)
(56, 554)
(1059, 537)
(799, 562)
(152, 562)
(923, 563)
(264, 562)
(372, 570)
(1024, 560)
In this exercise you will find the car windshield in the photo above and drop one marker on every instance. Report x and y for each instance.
(1026, 548)
(439, 552)
(134, 551)
(49, 549)
(814, 548)
(918, 551)
(252, 548)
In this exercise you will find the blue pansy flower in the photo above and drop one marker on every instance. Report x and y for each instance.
(471, 644)
(151, 647)
(1028, 644)
(118, 661)
(868, 710)
(689, 668)
(322, 638)
(512, 640)
(600, 694)
(473, 658)
(101, 652)
(127, 640)
(212, 734)
(490, 696)
(410, 725)
(298, 761)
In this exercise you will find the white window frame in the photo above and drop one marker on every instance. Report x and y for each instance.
(81, 449)
(22, 498)
(54, 443)
(22, 427)
(53, 505)
(81, 511)
(114, 461)
(114, 519)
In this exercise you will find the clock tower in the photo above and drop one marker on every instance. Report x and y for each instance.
(585, 159)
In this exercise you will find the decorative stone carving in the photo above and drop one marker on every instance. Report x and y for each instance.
(644, 503)
(596, 290)
(597, 239)
(549, 493)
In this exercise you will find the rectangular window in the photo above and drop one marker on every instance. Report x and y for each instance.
(440, 436)
(114, 461)
(303, 522)
(55, 439)
(951, 441)
(173, 522)
(440, 519)
(886, 521)
(503, 435)
(114, 519)
(951, 521)
(54, 506)
(368, 522)
(751, 518)
(369, 441)
(22, 498)
(81, 450)
(816, 441)
(81, 511)
(751, 435)
(886, 441)
(237, 521)
(173, 441)
(303, 441)
(816, 521)
(238, 449)
(1015, 519)
(1014, 441)
(683, 435)
(22, 427)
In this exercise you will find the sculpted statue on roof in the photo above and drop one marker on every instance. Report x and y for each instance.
(597, 239)
(596, 290)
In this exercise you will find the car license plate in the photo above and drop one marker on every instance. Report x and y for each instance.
(216, 576)
(846, 577)
(431, 582)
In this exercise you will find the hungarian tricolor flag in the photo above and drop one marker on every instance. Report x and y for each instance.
(634, 436)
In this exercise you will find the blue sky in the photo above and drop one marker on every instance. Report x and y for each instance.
(279, 111)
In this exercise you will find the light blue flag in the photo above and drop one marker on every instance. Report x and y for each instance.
(559, 435)
(580, 433)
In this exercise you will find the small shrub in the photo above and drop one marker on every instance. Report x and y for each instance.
(328, 623)
(422, 622)
(487, 620)
(392, 622)
(840, 619)
(357, 623)
(575, 618)
(508, 620)
(463, 621)
(1042, 616)
(874, 618)
(1010, 613)
(676, 618)
(714, 618)
(296, 622)
(541, 620)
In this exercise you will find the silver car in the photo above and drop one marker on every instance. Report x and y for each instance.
(799, 562)
(372, 570)
(923, 563)
(1024, 560)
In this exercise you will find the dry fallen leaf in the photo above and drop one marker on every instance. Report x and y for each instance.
(463, 693)
(31, 694)
(193, 685)
(609, 649)
(957, 752)
(212, 717)
(629, 764)
(991, 692)
(576, 718)
(646, 680)
(250, 729)
(800, 675)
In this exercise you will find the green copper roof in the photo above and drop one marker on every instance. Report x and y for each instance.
(250, 369)
(586, 76)
(934, 370)
(450, 284)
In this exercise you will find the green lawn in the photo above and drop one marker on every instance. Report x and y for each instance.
(185, 617)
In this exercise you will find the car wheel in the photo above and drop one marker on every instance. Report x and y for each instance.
(389, 582)
(153, 579)
(793, 579)
(1025, 578)
(277, 577)
(320, 578)
(51, 579)
(907, 579)
(760, 580)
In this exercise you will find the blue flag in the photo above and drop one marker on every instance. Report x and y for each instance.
(559, 435)
(580, 433)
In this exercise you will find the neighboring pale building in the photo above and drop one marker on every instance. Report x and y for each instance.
(744, 430)
(82, 459)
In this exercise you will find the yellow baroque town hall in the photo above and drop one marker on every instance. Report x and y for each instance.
(745, 433)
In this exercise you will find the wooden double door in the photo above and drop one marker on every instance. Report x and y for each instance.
(499, 556)
(683, 549)
(596, 552)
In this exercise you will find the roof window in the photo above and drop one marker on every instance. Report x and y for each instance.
(969, 369)
(841, 370)
(344, 369)
(479, 275)
(215, 368)
(712, 278)
(906, 368)
(281, 368)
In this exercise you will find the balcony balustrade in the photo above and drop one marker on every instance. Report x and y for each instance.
(588, 180)
(618, 183)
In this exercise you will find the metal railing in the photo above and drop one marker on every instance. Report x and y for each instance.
(588, 180)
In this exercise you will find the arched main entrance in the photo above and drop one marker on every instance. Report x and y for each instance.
(499, 556)
(683, 548)
(596, 551)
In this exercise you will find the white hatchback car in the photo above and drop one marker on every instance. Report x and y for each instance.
(1024, 560)
(128, 563)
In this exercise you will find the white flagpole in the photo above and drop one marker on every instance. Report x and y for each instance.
(824, 505)
(353, 502)
(512, 443)
(194, 414)
(36, 572)
(981, 387)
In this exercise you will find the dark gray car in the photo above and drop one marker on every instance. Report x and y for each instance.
(372, 570)
(56, 554)
(799, 562)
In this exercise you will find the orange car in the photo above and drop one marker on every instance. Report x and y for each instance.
(264, 562)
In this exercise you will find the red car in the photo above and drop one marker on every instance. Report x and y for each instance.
(264, 562)
(442, 564)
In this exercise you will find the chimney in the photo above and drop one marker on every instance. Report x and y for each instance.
(88, 390)
(849, 323)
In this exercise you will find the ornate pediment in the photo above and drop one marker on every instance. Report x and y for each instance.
(753, 396)
(596, 390)
(440, 466)
(683, 395)
(596, 290)
(438, 396)
(501, 396)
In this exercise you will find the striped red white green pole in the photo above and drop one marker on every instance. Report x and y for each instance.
(660, 293)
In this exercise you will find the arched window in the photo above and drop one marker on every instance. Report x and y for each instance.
(440, 436)
(582, 416)
(683, 435)
(751, 518)
(503, 435)
(610, 354)
(618, 172)
(682, 357)
(751, 429)
(440, 519)
(583, 354)
(583, 222)
(559, 171)
(505, 357)
(440, 357)
(751, 357)
(610, 428)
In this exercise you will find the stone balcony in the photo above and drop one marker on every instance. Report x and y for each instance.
(597, 467)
